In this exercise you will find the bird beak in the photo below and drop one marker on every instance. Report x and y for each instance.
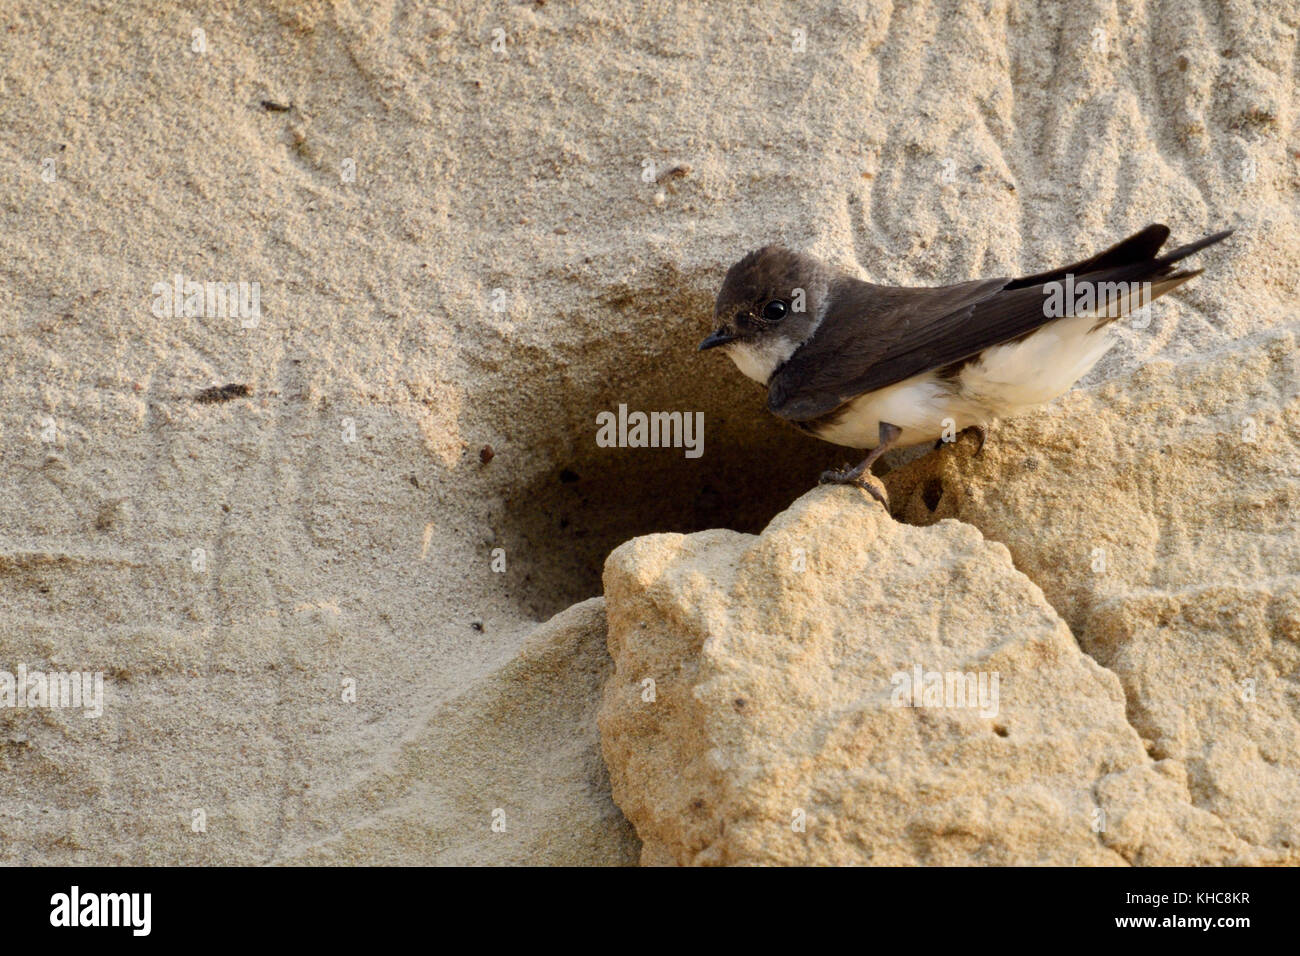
(720, 337)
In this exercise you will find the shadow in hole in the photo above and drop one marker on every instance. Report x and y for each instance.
(640, 349)
(562, 525)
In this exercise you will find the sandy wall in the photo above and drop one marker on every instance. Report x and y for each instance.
(456, 247)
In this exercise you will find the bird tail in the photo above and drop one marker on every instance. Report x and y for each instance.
(1130, 288)
(1182, 252)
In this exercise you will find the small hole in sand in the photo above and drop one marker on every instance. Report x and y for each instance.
(559, 525)
(562, 525)
(932, 493)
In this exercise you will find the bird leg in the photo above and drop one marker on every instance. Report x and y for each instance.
(889, 435)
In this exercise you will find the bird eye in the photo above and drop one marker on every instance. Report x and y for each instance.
(775, 310)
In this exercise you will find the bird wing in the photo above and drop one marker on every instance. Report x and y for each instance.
(875, 336)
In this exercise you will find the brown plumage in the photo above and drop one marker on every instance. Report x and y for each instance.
(880, 335)
(873, 366)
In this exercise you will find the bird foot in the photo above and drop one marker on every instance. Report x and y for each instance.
(858, 479)
(981, 433)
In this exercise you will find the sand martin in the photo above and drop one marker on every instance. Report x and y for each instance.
(879, 367)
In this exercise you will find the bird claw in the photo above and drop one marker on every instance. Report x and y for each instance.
(981, 434)
(841, 476)
(847, 476)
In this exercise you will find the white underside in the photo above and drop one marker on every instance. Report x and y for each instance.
(1004, 381)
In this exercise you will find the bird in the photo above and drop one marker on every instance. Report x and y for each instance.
(879, 367)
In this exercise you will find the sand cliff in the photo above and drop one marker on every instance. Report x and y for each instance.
(318, 612)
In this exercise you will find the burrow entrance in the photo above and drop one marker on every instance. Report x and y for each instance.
(561, 521)
(568, 520)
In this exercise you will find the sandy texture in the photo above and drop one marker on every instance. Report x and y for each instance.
(1173, 550)
(926, 142)
(779, 732)
(518, 745)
